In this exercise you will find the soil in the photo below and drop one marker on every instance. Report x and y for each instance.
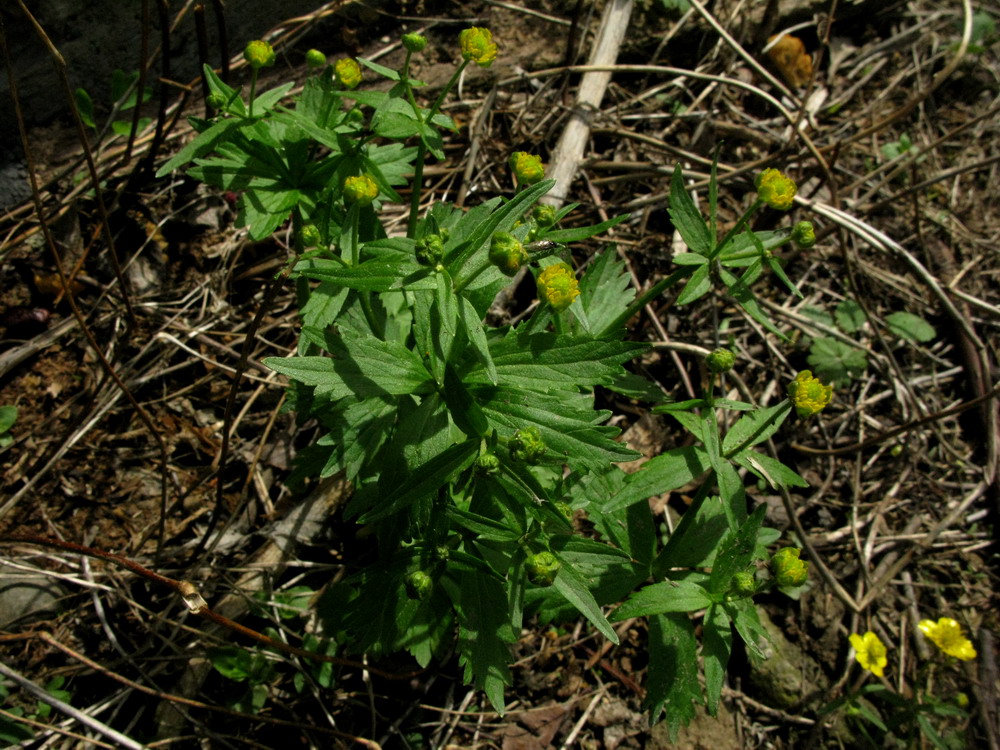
(903, 494)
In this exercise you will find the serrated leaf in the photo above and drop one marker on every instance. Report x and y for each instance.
(835, 362)
(661, 598)
(574, 589)
(740, 292)
(578, 234)
(754, 427)
(672, 687)
(202, 144)
(324, 305)
(770, 470)
(850, 316)
(663, 473)
(485, 528)
(747, 622)
(605, 292)
(377, 275)
(686, 217)
(736, 552)
(911, 327)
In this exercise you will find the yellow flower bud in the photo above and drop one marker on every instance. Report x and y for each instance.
(557, 285)
(259, 54)
(775, 189)
(347, 72)
(808, 394)
(477, 46)
(527, 168)
(361, 190)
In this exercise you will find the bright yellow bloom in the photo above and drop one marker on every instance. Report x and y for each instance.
(347, 72)
(527, 168)
(361, 190)
(775, 189)
(946, 634)
(477, 45)
(557, 285)
(808, 394)
(259, 54)
(869, 652)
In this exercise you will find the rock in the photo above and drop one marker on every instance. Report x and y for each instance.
(27, 597)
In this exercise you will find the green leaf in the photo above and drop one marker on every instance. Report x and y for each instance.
(578, 234)
(203, 143)
(85, 106)
(605, 292)
(324, 304)
(473, 327)
(690, 259)
(8, 415)
(740, 291)
(483, 634)
(572, 587)
(672, 687)
(717, 644)
(485, 527)
(696, 539)
(911, 327)
(697, 286)
(376, 275)
(686, 217)
(736, 552)
(770, 470)
(661, 598)
(835, 362)
(124, 127)
(425, 480)
(754, 427)
(232, 662)
(663, 473)
(850, 316)
(744, 616)
(546, 360)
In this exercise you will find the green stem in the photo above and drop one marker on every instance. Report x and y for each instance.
(253, 91)
(418, 180)
(354, 251)
(737, 228)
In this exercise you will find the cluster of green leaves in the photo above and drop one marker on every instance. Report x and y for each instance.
(124, 96)
(13, 732)
(469, 445)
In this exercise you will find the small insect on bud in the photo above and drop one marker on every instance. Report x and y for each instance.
(361, 189)
(414, 42)
(507, 253)
(721, 360)
(259, 54)
(541, 568)
(315, 58)
(775, 189)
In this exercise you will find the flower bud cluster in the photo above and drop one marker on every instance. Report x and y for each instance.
(430, 248)
(527, 445)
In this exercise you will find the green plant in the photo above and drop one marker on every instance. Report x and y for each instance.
(8, 415)
(15, 733)
(124, 96)
(471, 446)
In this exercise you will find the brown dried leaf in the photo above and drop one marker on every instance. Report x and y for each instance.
(790, 57)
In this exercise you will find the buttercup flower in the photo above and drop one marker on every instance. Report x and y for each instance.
(507, 253)
(557, 285)
(775, 189)
(788, 569)
(947, 635)
(869, 652)
(315, 58)
(361, 190)
(477, 46)
(527, 168)
(347, 72)
(259, 54)
(414, 42)
(808, 394)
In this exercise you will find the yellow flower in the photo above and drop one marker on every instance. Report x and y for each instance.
(869, 652)
(361, 190)
(946, 634)
(527, 168)
(347, 72)
(259, 54)
(775, 189)
(808, 394)
(477, 45)
(557, 285)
